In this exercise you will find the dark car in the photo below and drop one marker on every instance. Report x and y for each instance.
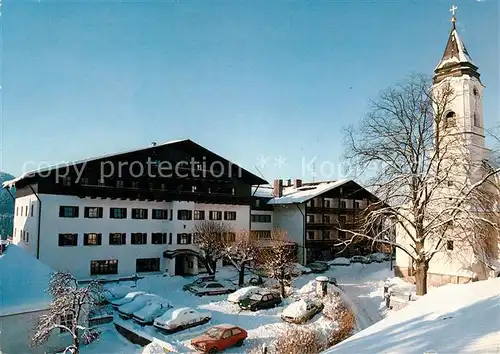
(260, 301)
(318, 267)
(360, 259)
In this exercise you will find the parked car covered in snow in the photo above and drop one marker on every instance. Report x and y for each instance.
(360, 259)
(153, 309)
(199, 281)
(178, 319)
(243, 293)
(318, 267)
(340, 261)
(377, 257)
(209, 288)
(126, 299)
(115, 293)
(219, 337)
(126, 310)
(260, 301)
(302, 310)
(299, 269)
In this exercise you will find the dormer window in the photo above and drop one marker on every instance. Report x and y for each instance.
(450, 119)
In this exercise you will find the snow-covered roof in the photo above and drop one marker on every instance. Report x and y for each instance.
(23, 282)
(11, 183)
(292, 195)
(450, 319)
(455, 52)
(262, 191)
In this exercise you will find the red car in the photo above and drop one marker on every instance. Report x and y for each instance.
(219, 337)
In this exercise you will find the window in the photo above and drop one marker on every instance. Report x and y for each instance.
(229, 215)
(326, 219)
(171, 214)
(183, 239)
(118, 213)
(343, 219)
(184, 214)
(147, 265)
(27, 236)
(257, 203)
(327, 235)
(66, 181)
(193, 189)
(215, 215)
(120, 184)
(450, 119)
(21, 211)
(67, 321)
(135, 184)
(26, 212)
(68, 211)
(93, 212)
(159, 238)
(327, 203)
(476, 120)
(160, 214)
(450, 183)
(342, 235)
(262, 234)
(233, 191)
(236, 331)
(356, 205)
(449, 245)
(32, 209)
(92, 239)
(199, 214)
(139, 238)
(101, 183)
(260, 218)
(84, 181)
(68, 240)
(170, 238)
(139, 213)
(342, 204)
(117, 238)
(109, 266)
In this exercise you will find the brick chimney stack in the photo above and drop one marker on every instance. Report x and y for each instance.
(297, 183)
(278, 188)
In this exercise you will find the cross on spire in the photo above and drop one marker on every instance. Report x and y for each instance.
(453, 18)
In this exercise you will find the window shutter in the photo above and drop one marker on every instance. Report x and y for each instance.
(77, 209)
(145, 213)
(225, 215)
(99, 239)
(164, 238)
(85, 239)
(170, 238)
(144, 238)
(124, 238)
(100, 212)
(61, 211)
(124, 213)
(86, 212)
(60, 240)
(75, 239)
(178, 238)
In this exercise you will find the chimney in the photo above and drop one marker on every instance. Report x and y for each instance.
(278, 188)
(298, 183)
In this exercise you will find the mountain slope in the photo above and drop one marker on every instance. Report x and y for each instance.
(6, 208)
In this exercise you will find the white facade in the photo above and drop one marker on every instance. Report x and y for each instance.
(291, 217)
(77, 259)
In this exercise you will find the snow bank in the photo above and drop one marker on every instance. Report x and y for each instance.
(450, 319)
(23, 282)
(296, 309)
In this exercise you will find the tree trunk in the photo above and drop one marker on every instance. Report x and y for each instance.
(210, 265)
(421, 268)
(241, 278)
(282, 288)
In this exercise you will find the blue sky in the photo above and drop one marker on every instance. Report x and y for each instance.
(247, 80)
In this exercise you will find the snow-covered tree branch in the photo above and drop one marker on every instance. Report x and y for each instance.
(69, 310)
(211, 237)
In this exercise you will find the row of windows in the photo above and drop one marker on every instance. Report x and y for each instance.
(342, 219)
(110, 266)
(329, 204)
(116, 238)
(24, 210)
(139, 213)
(260, 218)
(23, 235)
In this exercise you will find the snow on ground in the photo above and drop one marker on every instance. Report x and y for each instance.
(363, 286)
(449, 319)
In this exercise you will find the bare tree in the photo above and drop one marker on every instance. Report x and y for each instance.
(211, 238)
(277, 257)
(431, 187)
(69, 310)
(242, 252)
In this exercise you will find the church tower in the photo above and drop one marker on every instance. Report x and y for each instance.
(464, 114)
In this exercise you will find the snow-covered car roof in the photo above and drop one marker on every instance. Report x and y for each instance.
(297, 308)
(240, 293)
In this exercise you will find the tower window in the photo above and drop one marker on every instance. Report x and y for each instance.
(475, 92)
(450, 119)
(476, 120)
